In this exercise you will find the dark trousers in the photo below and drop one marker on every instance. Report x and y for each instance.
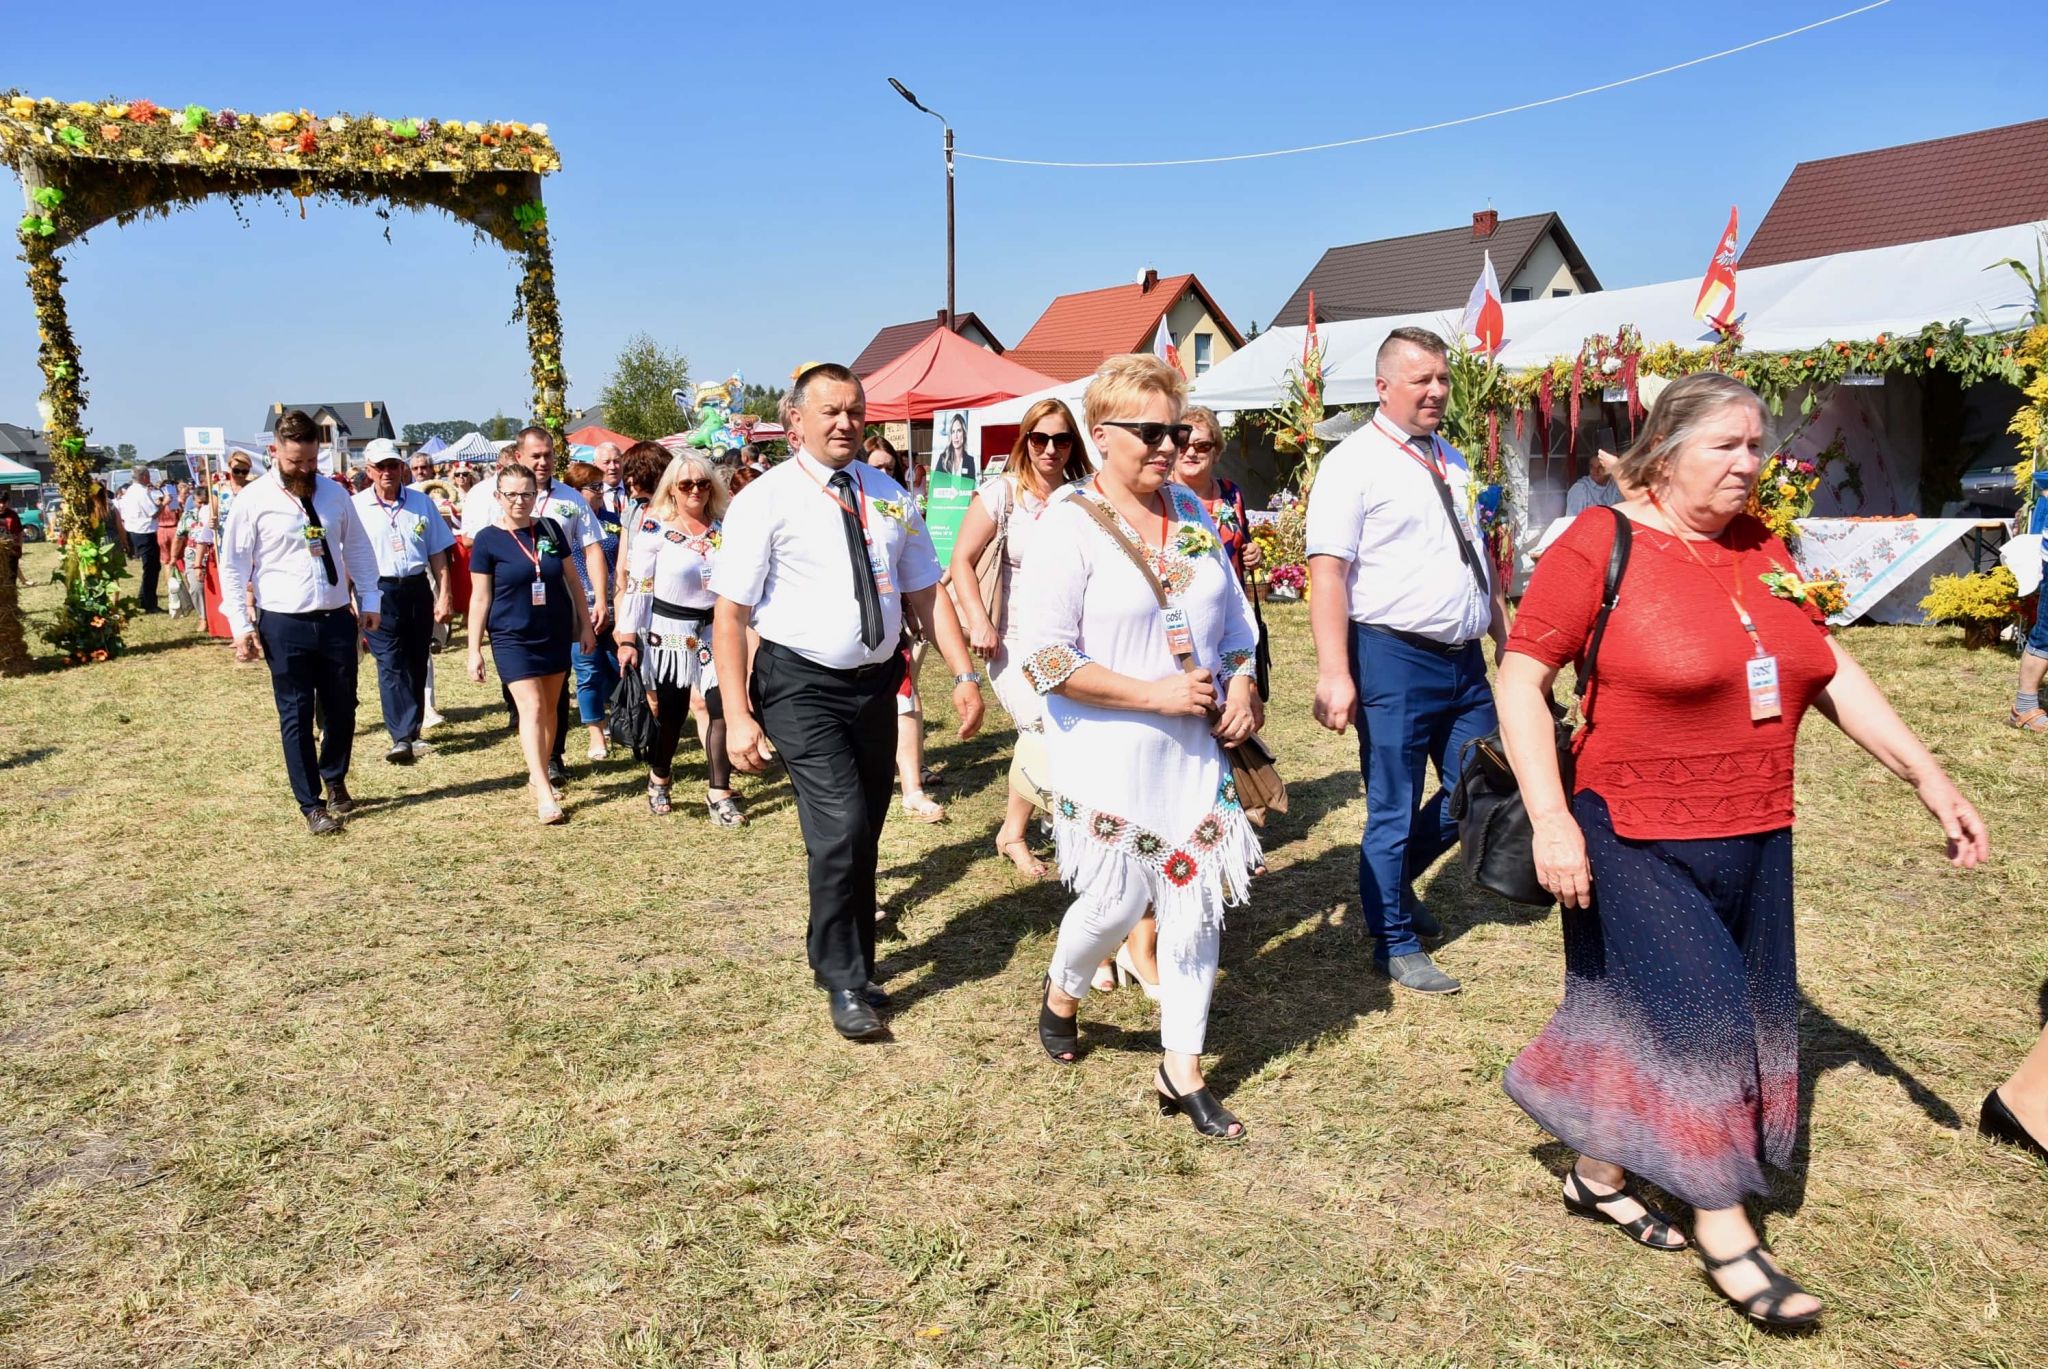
(1416, 708)
(405, 631)
(312, 659)
(561, 719)
(835, 731)
(143, 547)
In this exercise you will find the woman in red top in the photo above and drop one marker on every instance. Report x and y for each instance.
(1675, 1052)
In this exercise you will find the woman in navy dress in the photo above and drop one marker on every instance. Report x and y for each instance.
(525, 589)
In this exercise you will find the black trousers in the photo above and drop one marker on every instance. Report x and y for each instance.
(835, 731)
(143, 547)
(312, 659)
(405, 631)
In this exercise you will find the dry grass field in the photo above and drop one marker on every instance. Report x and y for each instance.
(451, 1089)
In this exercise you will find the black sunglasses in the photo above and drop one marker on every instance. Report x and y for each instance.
(1061, 442)
(1150, 433)
(692, 486)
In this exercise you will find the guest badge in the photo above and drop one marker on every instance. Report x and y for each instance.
(540, 591)
(1763, 688)
(879, 564)
(1180, 637)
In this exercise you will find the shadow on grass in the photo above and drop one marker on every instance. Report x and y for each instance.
(979, 941)
(22, 759)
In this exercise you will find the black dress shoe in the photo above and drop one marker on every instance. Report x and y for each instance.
(1424, 922)
(338, 801)
(852, 1018)
(322, 823)
(400, 753)
(876, 996)
(1996, 1122)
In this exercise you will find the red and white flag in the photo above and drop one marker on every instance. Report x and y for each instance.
(1483, 323)
(1716, 304)
(1308, 344)
(1162, 345)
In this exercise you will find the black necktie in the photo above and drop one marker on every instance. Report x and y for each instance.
(863, 575)
(326, 553)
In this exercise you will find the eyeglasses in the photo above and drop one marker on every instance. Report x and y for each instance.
(1202, 448)
(509, 495)
(1151, 433)
(1059, 442)
(693, 486)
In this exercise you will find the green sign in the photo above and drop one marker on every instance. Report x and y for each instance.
(947, 498)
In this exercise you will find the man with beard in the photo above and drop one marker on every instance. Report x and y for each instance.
(294, 547)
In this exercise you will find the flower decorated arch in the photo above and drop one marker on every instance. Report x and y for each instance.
(88, 163)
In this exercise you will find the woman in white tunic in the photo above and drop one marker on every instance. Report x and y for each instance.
(665, 626)
(1145, 811)
(1048, 455)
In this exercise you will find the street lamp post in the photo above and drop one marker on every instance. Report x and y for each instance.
(905, 93)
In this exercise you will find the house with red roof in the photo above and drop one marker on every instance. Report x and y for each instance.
(1078, 332)
(898, 338)
(1916, 192)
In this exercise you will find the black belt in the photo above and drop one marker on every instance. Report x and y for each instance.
(665, 609)
(858, 672)
(1420, 642)
(401, 579)
(313, 616)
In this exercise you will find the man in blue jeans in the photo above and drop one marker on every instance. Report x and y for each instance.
(1401, 595)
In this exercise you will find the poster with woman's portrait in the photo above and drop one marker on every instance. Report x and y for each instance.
(949, 445)
(955, 471)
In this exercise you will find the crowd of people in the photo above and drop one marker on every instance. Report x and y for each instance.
(786, 610)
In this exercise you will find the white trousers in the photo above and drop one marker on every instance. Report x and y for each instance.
(1094, 927)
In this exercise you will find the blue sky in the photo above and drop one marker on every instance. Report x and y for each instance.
(741, 183)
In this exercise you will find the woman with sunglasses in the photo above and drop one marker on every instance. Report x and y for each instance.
(1140, 701)
(1048, 455)
(525, 588)
(1222, 498)
(665, 627)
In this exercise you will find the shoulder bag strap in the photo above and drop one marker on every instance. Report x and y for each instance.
(1610, 595)
(1107, 521)
(1465, 552)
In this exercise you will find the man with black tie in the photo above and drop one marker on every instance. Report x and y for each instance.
(294, 540)
(826, 566)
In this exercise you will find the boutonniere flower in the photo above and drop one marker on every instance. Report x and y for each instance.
(1829, 596)
(1194, 540)
(889, 508)
(547, 547)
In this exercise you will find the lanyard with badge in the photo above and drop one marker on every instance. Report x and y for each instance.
(1761, 670)
(1180, 632)
(540, 586)
(878, 564)
(1438, 479)
(391, 513)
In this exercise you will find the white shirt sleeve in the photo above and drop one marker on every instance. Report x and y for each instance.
(479, 507)
(359, 556)
(1051, 620)
(917, 565)
(237, 557)
(741, 571)
(636, 603)
(1336, 506)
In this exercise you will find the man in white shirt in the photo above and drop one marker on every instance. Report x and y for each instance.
(138, 506)
(535, 450)
(610, 461)
(411, 541)
(294, 547)
(1596, 488)
(1401, 595)
(826, 562)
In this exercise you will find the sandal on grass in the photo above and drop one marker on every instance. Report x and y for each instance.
(920, 808)
(1650, 1229)
(658, 802)
(1761, 1306)
(1019, 853)
(2033, 720)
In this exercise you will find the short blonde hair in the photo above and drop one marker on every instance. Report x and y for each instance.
(1206, 416)
(663, 505)
(1123, 381)
(1679, 411)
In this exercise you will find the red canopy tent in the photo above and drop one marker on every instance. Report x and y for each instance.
(593, 436)
(945, 371)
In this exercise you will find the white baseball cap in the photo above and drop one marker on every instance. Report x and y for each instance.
(379, 450)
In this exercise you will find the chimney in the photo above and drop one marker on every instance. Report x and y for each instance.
(1483, 224)
(940, 318)
(1147, 281)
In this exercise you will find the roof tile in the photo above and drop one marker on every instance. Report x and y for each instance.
(1422, 271)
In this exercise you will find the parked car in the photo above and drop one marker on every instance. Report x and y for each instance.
(1987, 485)
(32, 525)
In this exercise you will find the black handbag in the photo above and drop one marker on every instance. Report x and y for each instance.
(1495, 838)
(631, 722)
(1262, 661)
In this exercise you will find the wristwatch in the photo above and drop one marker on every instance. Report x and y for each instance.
(972, 677)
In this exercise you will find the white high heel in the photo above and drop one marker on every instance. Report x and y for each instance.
(1127, 973)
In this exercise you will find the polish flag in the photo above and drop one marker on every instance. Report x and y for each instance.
(1308, 344)
(1483, 323)
(1716, 304)
(1162, 345)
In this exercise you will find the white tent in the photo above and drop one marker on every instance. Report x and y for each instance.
(12, 472)
(1794, 305)
(468, 448)
(1010, 413)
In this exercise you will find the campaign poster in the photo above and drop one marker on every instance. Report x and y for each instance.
(955, 473)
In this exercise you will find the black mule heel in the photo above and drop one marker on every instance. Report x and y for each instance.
(1210, 1117)
(1060, 1036)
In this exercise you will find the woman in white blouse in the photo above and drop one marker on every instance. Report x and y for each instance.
(1048, 455)
(1140, 701)
(665, 626)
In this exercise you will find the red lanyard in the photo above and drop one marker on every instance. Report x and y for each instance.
(860, 512)
(1165, 520)
(534, 555)
(1734, 575)
(1435, 466)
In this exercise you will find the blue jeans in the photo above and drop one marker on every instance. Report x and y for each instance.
(1416, 707)
(597, 674)
(2037, 640)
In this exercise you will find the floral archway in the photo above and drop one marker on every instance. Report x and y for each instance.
(87, 163)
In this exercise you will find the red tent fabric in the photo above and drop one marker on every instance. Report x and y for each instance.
(593, 436)
(946, 371)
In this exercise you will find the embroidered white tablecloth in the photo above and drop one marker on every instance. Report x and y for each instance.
(1886, 564)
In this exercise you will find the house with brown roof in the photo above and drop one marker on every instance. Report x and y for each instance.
(1915, 192)
(898, 338)
(1533, 258)
(1078, 332)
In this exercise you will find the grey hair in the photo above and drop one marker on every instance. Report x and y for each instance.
(1686, 404)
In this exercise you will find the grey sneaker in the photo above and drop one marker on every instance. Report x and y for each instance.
(1417, 973)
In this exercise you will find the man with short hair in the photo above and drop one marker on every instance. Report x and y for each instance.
(1401, 595)
(138, 507)
(610, 461)
(411, 541)
(826, 566)
(421, 465)
(294, 547)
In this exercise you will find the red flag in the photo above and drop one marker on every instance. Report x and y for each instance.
(1484, 324)
(1162, 345)
(1308, 344)
(1716, 304)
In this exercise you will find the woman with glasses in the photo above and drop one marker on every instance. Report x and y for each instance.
(1140, 701)
(1048, 455)
(525, 589)
(665, 627)
(1222, 498)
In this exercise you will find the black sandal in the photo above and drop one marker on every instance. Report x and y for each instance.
(1778, 1288)
(1061, 1036)
(1210, 1117)
(1650, 1229)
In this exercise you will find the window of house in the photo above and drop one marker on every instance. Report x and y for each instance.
(1518, 293)
(1560, 294)
(1201, 353)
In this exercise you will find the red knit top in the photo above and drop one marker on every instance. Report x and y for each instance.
(1672, 748)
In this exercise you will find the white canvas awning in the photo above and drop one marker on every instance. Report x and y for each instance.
(469, 447)
(1793, 305)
